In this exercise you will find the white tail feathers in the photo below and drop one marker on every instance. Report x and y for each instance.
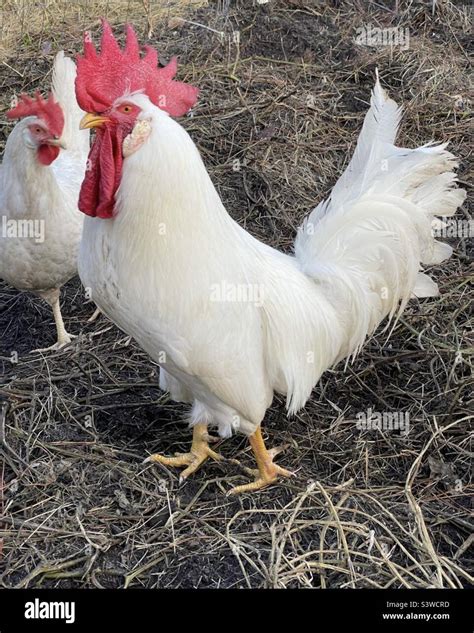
(425, 287)
(64, 77)
(366, 243)
(378, 132)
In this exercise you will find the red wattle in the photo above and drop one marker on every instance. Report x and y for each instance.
(47, 154)
(103, 173)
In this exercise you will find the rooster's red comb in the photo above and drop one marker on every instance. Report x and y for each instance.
(47, 109)
(103, 78)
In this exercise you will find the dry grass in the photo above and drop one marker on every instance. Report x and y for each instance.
(367, 509)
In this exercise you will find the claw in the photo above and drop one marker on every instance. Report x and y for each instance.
(96, 314)
(200, 451)
(268, 472)
(276, 450)
(60, 343)
(262, 480)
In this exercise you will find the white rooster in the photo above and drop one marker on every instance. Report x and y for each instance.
(229, 319)
(43, 167)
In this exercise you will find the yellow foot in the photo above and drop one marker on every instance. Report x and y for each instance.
(268, 472)
(200, 451)
(60, 343)
(96, 314)
(262, 480)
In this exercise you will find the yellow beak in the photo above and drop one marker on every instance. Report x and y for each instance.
(56, 142)
(92, 120)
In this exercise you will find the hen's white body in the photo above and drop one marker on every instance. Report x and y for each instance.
(173, 269)
(46, 195)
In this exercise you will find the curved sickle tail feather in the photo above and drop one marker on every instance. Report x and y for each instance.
(64, 76)
(365, 244)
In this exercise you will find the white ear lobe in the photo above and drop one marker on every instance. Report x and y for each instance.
(27, 140)
(136, 138)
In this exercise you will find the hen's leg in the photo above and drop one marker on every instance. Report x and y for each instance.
(200, 451)
(94, 316)
(63, 336)
(267, 472)
(52, 297)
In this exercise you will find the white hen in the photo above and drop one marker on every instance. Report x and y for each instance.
(229, 319)
(39, 187)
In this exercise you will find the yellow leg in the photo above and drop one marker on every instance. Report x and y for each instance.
(267, 472)
(64, 338)
(198, 454)
(96, 314)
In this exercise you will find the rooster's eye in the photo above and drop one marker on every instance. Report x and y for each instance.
(126, 109)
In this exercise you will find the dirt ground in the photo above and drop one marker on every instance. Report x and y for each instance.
(280, 108)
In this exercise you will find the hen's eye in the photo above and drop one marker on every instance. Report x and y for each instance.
(126, 109)
(38, 130)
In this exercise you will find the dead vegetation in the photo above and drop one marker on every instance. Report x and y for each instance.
(277, 120)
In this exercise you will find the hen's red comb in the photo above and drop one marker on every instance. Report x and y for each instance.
(47, 109)
(103, 78)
